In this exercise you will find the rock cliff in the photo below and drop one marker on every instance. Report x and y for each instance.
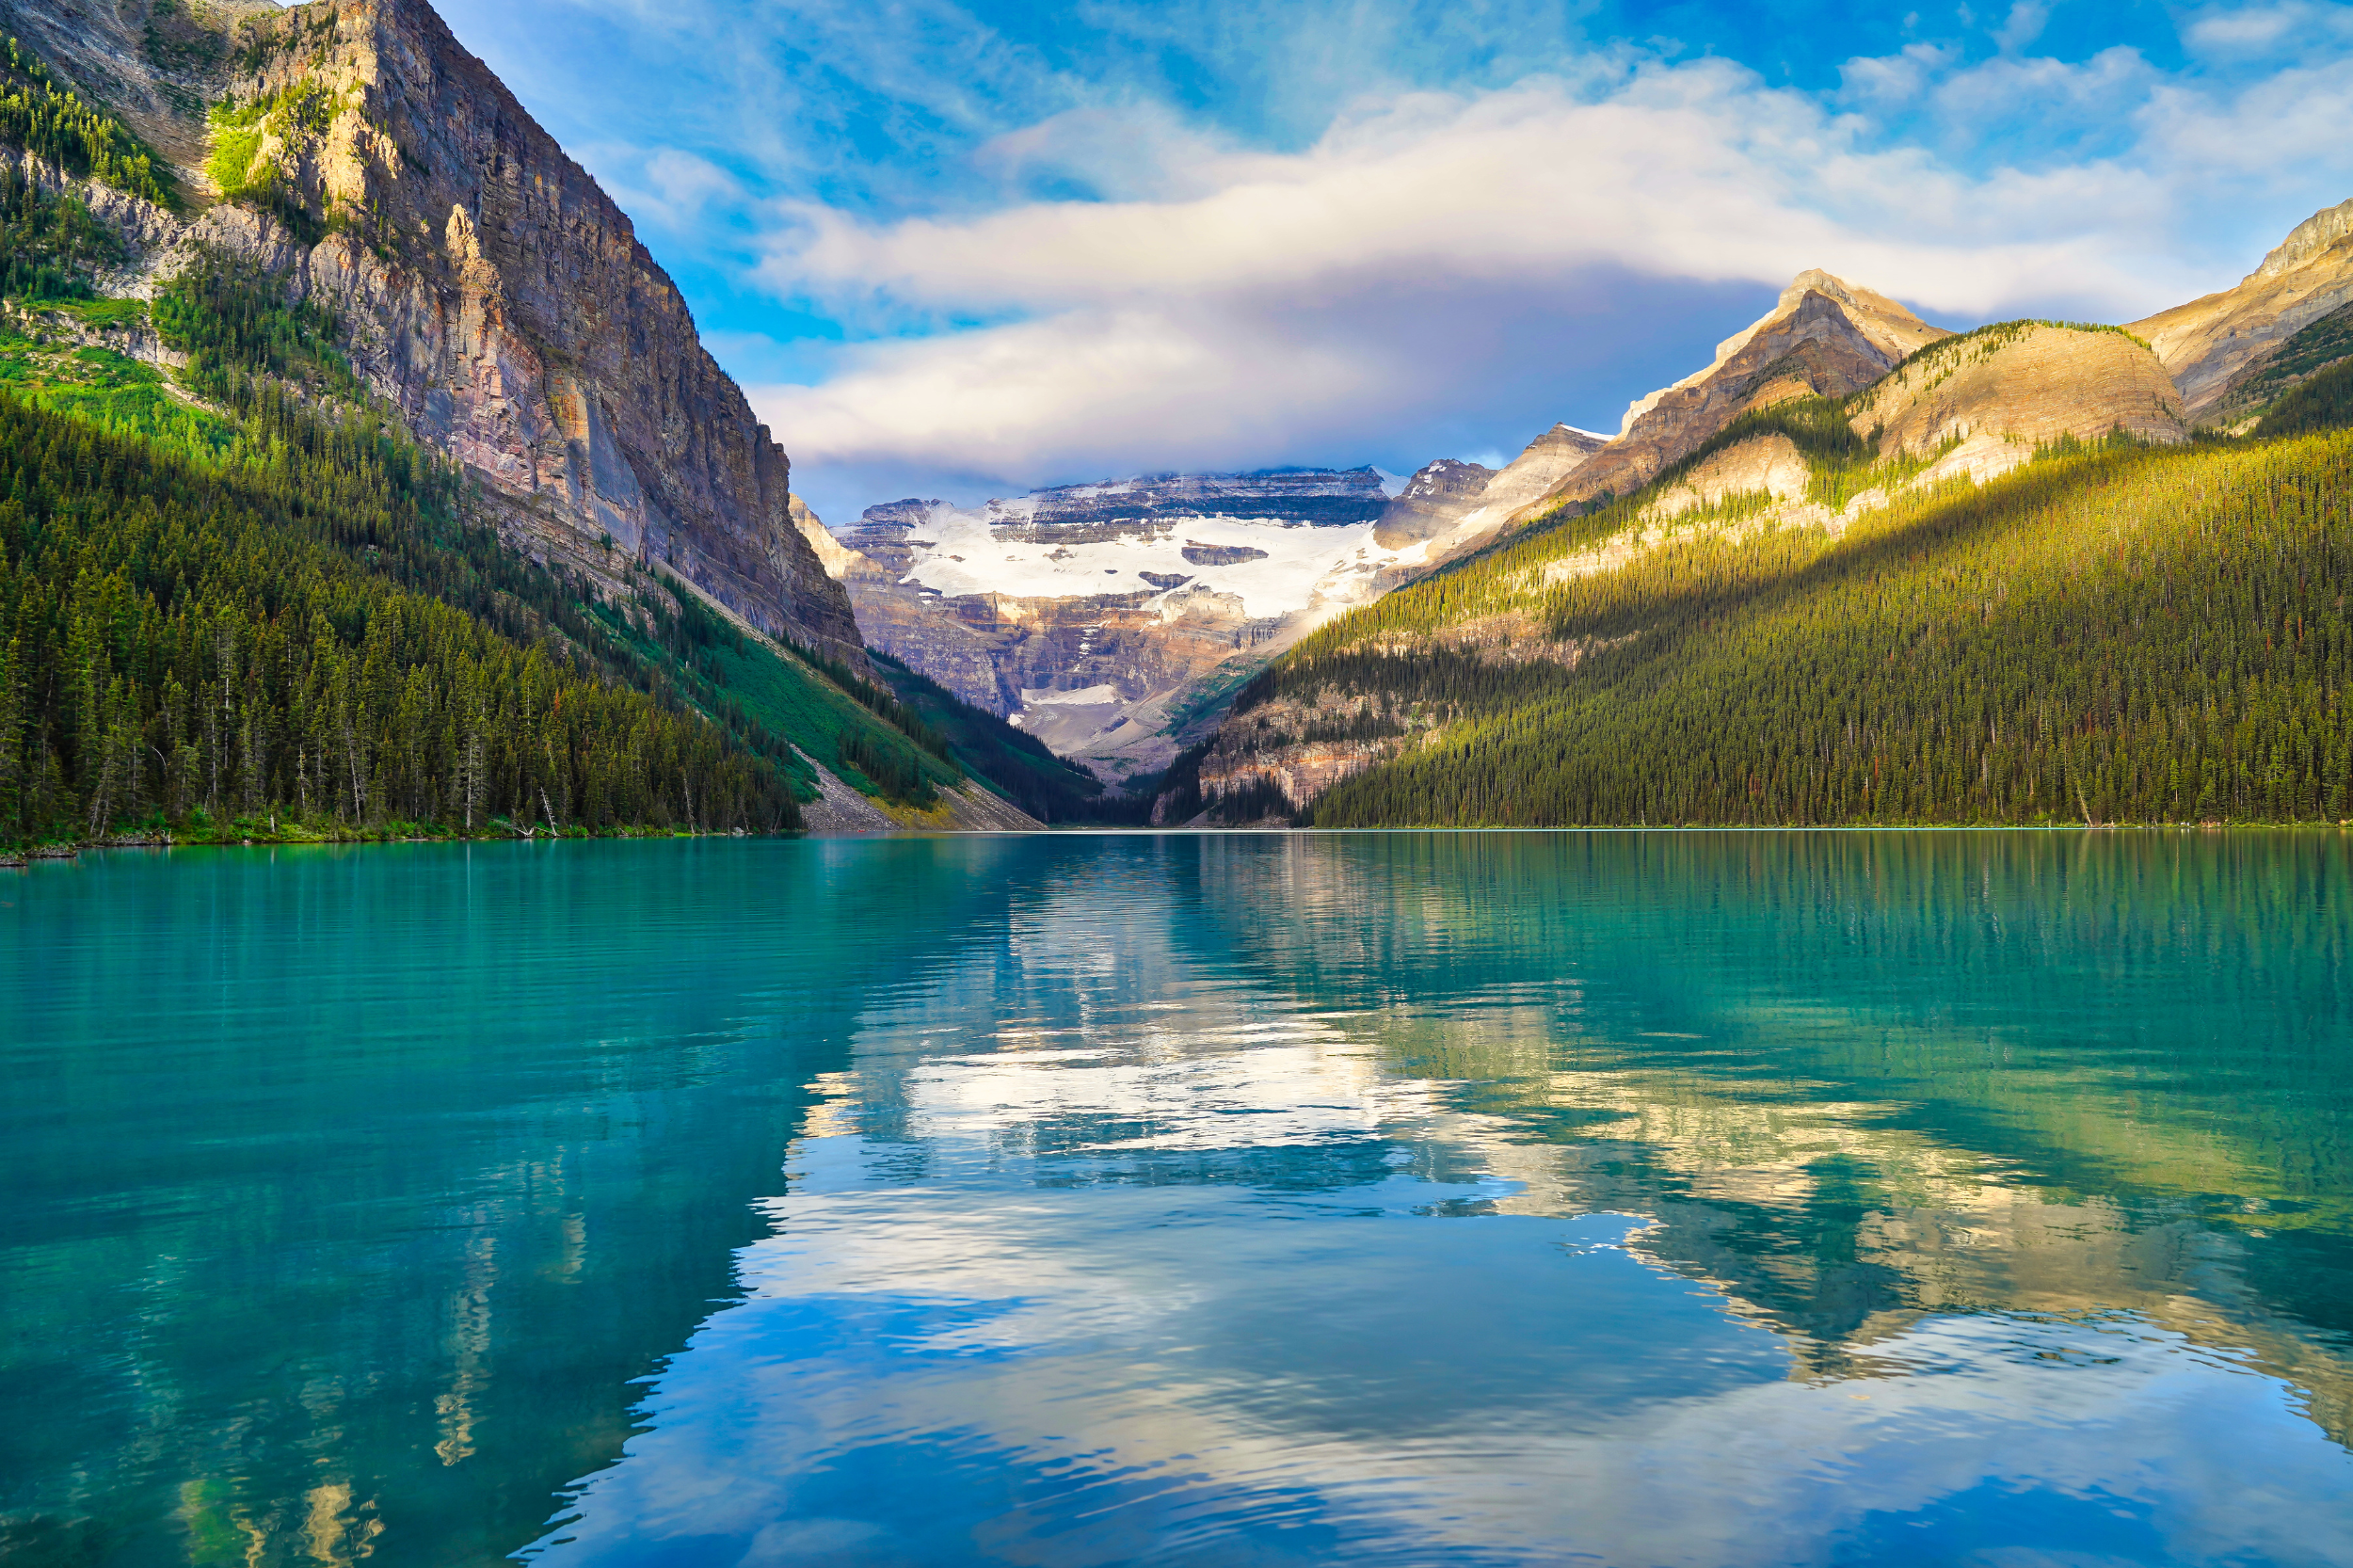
(1463, 506)
(487, 289)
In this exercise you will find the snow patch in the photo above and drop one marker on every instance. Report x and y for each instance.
(1085, 697)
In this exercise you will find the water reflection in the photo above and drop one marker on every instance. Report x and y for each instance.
(1396, 1198)
(1531, 1198)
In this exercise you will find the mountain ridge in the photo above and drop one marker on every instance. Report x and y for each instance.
(373, 262)
(1479, 674)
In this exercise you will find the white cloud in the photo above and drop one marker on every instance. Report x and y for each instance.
(1235, 311)
(1047, 271)
(2027, 18)
(2238, 31)
(665, 188)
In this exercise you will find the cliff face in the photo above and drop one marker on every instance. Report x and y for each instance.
(1462, 506)
(487, 288)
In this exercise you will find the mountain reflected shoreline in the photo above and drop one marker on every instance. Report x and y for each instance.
(1665, 1197)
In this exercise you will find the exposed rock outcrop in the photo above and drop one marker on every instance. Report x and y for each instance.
(154, 64)
(2211, 343)
(1462, 507)
(1769, 465)
(487, 290)
(1433, 500)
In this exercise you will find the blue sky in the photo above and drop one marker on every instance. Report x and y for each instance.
(965, 249)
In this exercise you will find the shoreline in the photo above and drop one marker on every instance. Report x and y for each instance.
(20, 858)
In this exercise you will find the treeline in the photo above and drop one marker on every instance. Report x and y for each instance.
(2125, 635)
(2324, 402)
(300, 622)
(174, 644)
(55, 124)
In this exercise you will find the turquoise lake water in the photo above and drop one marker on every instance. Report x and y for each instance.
(1378, 1199)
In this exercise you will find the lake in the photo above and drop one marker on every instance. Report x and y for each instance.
(1622, 1198)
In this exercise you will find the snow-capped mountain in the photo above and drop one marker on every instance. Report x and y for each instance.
(1105, 618)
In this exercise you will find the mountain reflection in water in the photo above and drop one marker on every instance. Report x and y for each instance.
(1514, 1198)
(1629, 1198)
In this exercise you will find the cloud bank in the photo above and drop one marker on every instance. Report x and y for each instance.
(1039, 271)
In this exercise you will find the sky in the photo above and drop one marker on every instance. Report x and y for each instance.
(961, 250)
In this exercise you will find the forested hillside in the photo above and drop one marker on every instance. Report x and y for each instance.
(2114, 633)
(237, 601)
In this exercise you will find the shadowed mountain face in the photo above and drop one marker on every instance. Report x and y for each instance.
(485, 286)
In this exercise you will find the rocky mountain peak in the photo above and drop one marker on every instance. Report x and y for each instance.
(1459, 506)
(1816, 305)
(2214, 344)
(1446, 476)
(2306, 240)
(1824, 337)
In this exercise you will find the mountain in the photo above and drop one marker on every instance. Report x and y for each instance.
(2217, 348)
(1859, 570)
(1823, 338)
(1100, 618)
(319, 266)
(1465, 506)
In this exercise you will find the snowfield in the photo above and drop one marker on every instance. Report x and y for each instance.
(1303, 566)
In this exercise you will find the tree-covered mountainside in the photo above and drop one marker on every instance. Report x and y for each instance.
(237, 601)
(2111, 634)
(57, 125)
(1032, 777)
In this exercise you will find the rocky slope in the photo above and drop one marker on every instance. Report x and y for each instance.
(1824, 337)
(489, 290)
(1466, 507)
(2215, 346)
(1984, 402)
(1103, 618)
